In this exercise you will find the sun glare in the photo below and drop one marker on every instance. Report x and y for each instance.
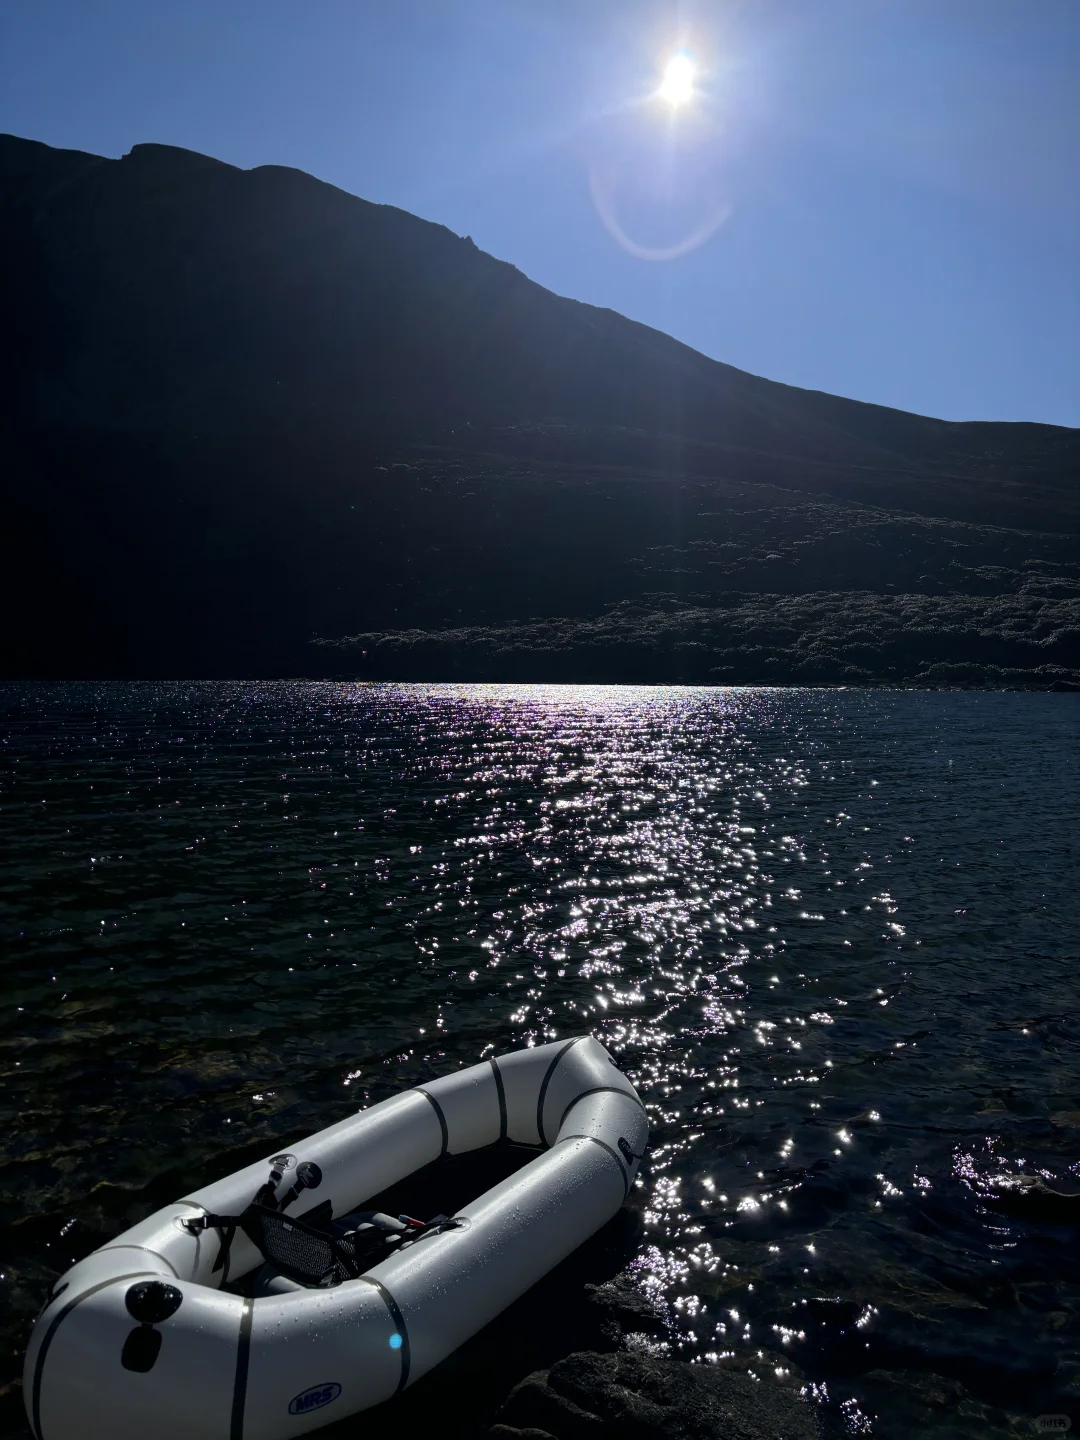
(677, 86)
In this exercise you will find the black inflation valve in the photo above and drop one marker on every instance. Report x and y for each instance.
(150, 1302)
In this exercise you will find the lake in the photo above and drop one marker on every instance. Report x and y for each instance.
(832, 936)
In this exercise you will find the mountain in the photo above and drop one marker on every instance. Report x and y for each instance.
(253, 425)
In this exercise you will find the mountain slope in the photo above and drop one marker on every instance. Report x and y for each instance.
(208, 375)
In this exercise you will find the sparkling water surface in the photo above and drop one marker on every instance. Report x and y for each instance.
(832, 936)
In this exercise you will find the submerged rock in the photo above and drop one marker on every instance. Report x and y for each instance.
(618, 1308)
(1034, 1198)
(636, 1396)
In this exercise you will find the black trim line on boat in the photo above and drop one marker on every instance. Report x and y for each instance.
(441, 1119)
(54, 1325)
(399, 1320)
(243, 1359)
(613, 1153)
(546, 1082)
(603, 1090)
(501, 1091)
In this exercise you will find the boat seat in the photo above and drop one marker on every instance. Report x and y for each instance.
(315, 1250)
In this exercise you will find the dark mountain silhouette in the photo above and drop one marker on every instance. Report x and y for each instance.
(254, 425)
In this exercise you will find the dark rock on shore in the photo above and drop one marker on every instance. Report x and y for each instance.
(636, 1396)
(618, 1308)
(629, 1389)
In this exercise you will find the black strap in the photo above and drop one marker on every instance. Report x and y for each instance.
(228, 1233)
(209, 1221)
(308, 1177)
(226, 1225)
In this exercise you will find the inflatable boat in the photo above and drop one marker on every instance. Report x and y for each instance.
(267, 1304)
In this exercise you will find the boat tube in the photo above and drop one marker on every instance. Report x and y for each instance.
(238, 1313)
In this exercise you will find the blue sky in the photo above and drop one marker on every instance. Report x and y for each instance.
(879, 198)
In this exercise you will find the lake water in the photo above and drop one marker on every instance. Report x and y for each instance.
(832, 936)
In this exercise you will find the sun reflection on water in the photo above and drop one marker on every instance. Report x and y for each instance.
(761, 901)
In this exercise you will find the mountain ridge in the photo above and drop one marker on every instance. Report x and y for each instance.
(220, 387)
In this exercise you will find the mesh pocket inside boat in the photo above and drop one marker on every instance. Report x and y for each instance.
(297, 1249)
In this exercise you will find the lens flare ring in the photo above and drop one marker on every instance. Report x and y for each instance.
(601, 192)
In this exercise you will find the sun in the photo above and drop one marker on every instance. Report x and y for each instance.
(677, 86)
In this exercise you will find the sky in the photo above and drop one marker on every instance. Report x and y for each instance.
(877, 198)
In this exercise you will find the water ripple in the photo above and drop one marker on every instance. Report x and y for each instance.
(830, 935)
